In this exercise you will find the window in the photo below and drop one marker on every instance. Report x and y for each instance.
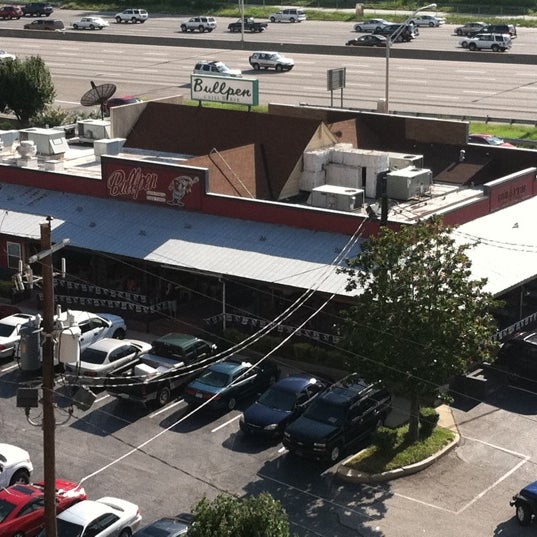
(14, 255)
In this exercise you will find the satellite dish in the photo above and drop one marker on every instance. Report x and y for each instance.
(98, 95)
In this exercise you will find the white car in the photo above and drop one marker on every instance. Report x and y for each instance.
(132, 15)
(90, 23)
(494, 42)
(6, 56)
(428, 20)
(206, 67)
(97, 359)
(105, 517)
(15, 465)
(270, 60)
(371, 25)
(10, 333)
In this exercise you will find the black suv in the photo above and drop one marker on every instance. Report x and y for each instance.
(345, 414)
(37, 9)
(404, 34)
(517, 357)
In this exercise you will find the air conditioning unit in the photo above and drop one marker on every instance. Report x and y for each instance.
(90, 130)
(408, 183)
(337, 198)
(47, 141)
(398, 161)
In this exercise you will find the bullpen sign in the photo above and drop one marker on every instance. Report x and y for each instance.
(224, 89)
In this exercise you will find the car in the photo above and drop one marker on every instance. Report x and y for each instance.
(247, 24)
(22, 506)
(427, 20)
(509, 29)
(4, 55)
(525, 504)
(131, 15)
(199, 24)
(288, 15)
(403, 33)
(224, 383)
(494, 42)
(105, 517)
(47, 25)
(90, 23)
(11, 12)
(167, 527)
(371, 25)
(369, 40)
(118, 101)
(345, 414)
(470, 28)
(488, 139)
(99, 358)
(270, 60)
(212, 67)
(281, 404)
(15, 465)
(37, 9)
(10, 333)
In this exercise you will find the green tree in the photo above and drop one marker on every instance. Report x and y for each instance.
(26, 87)
(228, 516)
(418, 318)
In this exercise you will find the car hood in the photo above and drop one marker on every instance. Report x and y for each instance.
(10, 454)
(309, 430)
(262, 415)
(116, 320)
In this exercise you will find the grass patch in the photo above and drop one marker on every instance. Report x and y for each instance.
(262, 108)
(397, 451)
(519, 132)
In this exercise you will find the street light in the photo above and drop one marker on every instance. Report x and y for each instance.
(391, 39)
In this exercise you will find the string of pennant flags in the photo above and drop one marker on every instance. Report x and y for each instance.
(100, 292)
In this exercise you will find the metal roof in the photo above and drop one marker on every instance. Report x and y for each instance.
(270, 253)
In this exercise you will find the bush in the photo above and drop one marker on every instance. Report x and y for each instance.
(428, 421)
(385, 439)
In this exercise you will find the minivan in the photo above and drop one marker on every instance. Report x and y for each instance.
(45, 24)
(499, 29)
(288, 15)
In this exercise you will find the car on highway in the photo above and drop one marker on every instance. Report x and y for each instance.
(525, 504)
(198, 24)
(225, 383)
(371, 25)
(90, 23)
(51, 25)
(167, 527)
(488, 139)
(270, 60)
(493, 42)
(509, 29)
(369, 40)
(22, 506)
(288, 15)
(402, 33)
(247, 24)
(15, 465)
(11, 12)
(37, 9)
(213, 67)
(280, 405)
(10, 333)
(131, 15)
(4, 55)
(431, 21)
(105, 517)
(99, 358)
(470, 29)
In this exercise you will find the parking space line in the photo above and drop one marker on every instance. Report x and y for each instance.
(9, 368)
(164, 408)
(235, 418)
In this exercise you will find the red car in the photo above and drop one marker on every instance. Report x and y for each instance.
(22, 510)
(11, 12)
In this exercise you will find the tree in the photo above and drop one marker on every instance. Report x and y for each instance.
(26, 87)
(418, 317)
(228, 516)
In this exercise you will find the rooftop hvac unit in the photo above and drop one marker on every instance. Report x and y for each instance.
(90, 130)
(47, 141)
(398, 161)
(408, 183)
(337, 198)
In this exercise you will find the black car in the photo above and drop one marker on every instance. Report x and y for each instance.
(37, 9)
(281, 404)
(368, 40)
(348, 412)
(517, 357)
(525, 504)
(402, 33)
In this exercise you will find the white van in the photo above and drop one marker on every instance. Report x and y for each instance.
(288, 15)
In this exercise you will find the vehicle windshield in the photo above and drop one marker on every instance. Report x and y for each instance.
(326, 413)
(69, 529)
(214, 378)
(6, 330)
(278, 399)
(92, 356)
(5, 508)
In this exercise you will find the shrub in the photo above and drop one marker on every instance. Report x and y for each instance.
(385, 439)
(428, 421)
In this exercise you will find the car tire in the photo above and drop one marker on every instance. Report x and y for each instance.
(20, 476)
(472, 46)
(231, 403)
(279, 67)
(18, 534)
(164, 396)
(118, 20)
(357, 28)
(335, 453)
(91, 27)
(255, 66)
(465, 44)
(183, 28)
(458, 32)
(75, 26)
(119, 334)
(201, 29)
(210, 30)
(292, 19)
(126, 533)
(495, 48)
(431, 24)
(134, 20)
(272, 19)
(523, 514)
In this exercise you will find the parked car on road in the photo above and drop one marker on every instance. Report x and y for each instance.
(369, 40)
(167, 527)
(90, 23)
(11, 12)
(281, 404)
(371, 25)
(198, 24)
(488, 139)
(37, 9)
(212, 67)
(131, 15)
(270, 60)
(52, 25)
(22, 506)
(494, 42)
(106, 517)
(10, 333)
(525, 504)
(431, 21)
(227, 382)
(470, 29)
(345, 414)
(15, 465)
(288, 15)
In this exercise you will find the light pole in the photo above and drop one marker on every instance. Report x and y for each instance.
(391, 39)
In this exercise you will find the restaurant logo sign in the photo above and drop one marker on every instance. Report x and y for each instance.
(224, 89)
